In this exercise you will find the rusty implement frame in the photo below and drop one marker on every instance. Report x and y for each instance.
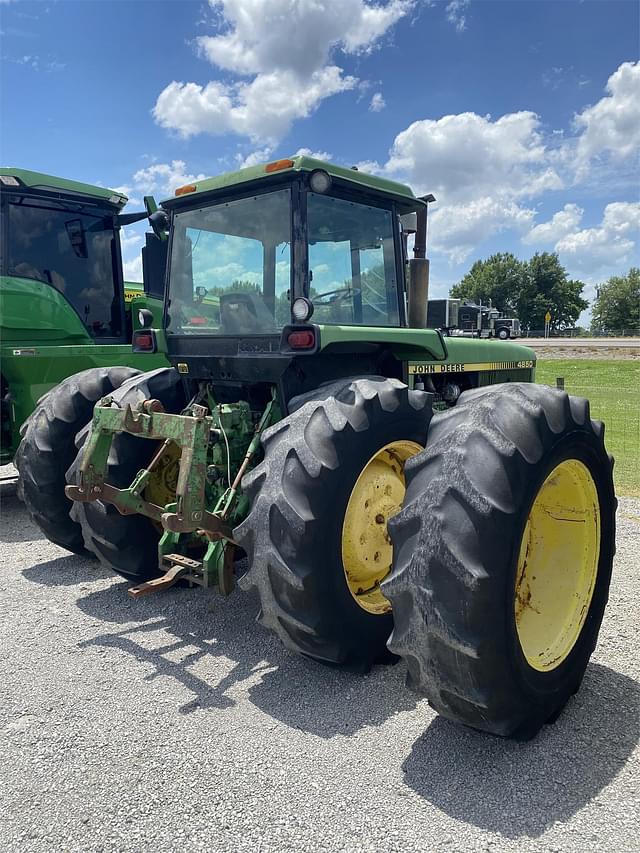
(191, 433)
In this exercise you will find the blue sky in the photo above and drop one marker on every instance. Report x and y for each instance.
(522, 116)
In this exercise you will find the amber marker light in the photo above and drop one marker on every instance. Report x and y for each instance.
(278, 164)
(187, 188)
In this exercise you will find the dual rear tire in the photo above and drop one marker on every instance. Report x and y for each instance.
(502, 550)
(503, 554)
(316, 545)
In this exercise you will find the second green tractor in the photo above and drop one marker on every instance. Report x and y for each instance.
(396, 492)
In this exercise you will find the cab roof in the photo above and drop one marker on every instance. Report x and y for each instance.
(267, 172)
(62, 186)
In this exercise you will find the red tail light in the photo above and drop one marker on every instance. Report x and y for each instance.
(144, 341)
(304, 339)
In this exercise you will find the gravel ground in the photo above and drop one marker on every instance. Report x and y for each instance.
(176, 723)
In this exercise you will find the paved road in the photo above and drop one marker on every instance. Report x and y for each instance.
(591, 343)
(176, 724)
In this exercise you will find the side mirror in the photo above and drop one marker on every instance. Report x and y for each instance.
(158, 218)
(409, 222)
(159, 222)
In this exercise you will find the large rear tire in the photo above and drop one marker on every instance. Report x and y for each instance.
(127, 544)
(48, 448)
(316, 536)
(502, 557)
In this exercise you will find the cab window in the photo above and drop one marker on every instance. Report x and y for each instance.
(73, 252)
(352, 268)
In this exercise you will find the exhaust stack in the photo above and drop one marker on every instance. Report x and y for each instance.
(418, 290)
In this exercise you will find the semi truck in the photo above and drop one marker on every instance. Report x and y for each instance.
(471, 320)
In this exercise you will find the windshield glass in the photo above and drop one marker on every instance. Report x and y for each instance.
(231, 267)
(352, 267)
(70, 250)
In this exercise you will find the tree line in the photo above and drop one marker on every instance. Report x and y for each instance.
(528, 289)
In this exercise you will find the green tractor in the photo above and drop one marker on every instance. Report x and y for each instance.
(396, 492)
(64, 308)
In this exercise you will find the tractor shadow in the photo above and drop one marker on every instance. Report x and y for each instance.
(522, 789)
(183, 634)
(15, 524)
(67, 570)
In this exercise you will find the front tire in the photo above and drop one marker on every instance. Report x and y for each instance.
(503, 334)
(503, 554)
(316, 535)
(48, 448)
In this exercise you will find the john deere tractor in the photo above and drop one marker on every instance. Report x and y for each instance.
(396, 492)
(63, 309)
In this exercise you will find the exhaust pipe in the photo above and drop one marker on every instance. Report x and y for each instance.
(418, 290)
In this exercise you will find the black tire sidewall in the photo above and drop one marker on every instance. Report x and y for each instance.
(133, 554)
(348, 615)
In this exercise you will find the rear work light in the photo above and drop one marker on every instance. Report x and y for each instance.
(9, 181)
(304, 339)
(144, 341)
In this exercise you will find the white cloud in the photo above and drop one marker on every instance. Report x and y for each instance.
(316, 155)
(263, 110)
(609, 243)
(457, 229)
(261, 155)
(132, 269)
(612, 125)
(286, 48)
(159, 179)
(372, 167)
(465, 156)
(129, 240)
(455, 12)
(561, 224)
(164, 177)
(378, 103)
(295, 35)
(480, 171)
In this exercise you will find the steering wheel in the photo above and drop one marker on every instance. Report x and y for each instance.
(344, 291)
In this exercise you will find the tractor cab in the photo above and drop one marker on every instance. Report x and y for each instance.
(236, 268)
(63, 306)
(293, 259)
(62, 249)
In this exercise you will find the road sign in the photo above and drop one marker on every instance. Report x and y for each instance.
(547, 317)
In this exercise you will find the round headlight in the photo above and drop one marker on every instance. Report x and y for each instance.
(320, 181)
(145, 318)
(302, 309)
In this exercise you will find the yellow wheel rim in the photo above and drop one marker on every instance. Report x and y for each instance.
(366, 547)
(161, 487)
(557, 565)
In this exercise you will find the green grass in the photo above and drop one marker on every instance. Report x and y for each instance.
(613, 389)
